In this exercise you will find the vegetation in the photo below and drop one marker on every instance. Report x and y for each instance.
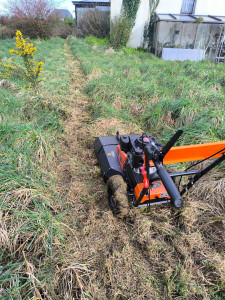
(130, 8)
(95, 23)
(121, 26)
(30, 217)
(35, 19)
(32, 70)
(92, 40)
(168, 254)
(58, 238)
(37, 9)
(157, 95)
(149, 29)
(120, 30)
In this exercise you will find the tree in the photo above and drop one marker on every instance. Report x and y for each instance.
(34, 18)
(38, 9)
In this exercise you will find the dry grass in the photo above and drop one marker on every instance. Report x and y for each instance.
(156, 254)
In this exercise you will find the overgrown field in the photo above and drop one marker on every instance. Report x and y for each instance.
(156, 95)
(161, 254)
(58, 237)
(30, 206)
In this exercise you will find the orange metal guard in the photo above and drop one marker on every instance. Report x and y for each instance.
(194, 152)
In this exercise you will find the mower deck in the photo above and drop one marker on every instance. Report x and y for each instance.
(140, 159)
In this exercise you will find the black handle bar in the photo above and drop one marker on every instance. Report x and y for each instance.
(171, 142)
(170, 186)
(153, 153)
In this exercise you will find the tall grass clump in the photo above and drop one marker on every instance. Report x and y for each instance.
(31, 223)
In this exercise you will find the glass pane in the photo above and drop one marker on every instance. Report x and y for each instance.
(202, 36)
(187, 6)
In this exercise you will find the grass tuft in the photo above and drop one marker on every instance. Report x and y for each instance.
(30, 218)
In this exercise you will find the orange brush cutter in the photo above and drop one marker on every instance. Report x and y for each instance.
(140, 160)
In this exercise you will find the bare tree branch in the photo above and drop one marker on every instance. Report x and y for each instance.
(39, 9)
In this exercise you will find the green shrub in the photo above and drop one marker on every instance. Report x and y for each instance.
(33, 27)
(92, 40)
(120, 31)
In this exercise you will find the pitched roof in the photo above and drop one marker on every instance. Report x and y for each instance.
(62, 13)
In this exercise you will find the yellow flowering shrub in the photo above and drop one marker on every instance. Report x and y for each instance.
(32, 71)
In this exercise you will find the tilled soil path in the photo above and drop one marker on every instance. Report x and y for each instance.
(146, 256)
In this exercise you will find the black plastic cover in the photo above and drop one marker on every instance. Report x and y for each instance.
(105, 149)
(125, 143)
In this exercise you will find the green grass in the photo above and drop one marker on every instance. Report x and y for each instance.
(30, 124)
(157, 95)
(92, 40)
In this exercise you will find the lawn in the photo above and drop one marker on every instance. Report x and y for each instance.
(140, 93)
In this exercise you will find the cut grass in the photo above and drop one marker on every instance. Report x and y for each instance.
(161, 254)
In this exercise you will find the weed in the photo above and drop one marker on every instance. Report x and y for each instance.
(32, 70)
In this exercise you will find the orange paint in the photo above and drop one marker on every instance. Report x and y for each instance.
(193, 152)
(122, 157)
(156, 192)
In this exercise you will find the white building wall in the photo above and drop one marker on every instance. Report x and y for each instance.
(169, 6)
(137, 34)
(116, 6)
(210, 7)
(203, 7)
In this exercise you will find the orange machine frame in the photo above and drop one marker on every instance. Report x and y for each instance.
(193, 152)
(175, 155)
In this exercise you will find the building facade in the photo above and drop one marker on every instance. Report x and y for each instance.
(186, 24)
(81, 6)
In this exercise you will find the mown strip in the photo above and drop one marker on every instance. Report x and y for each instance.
(168, 254)
(157, 95)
